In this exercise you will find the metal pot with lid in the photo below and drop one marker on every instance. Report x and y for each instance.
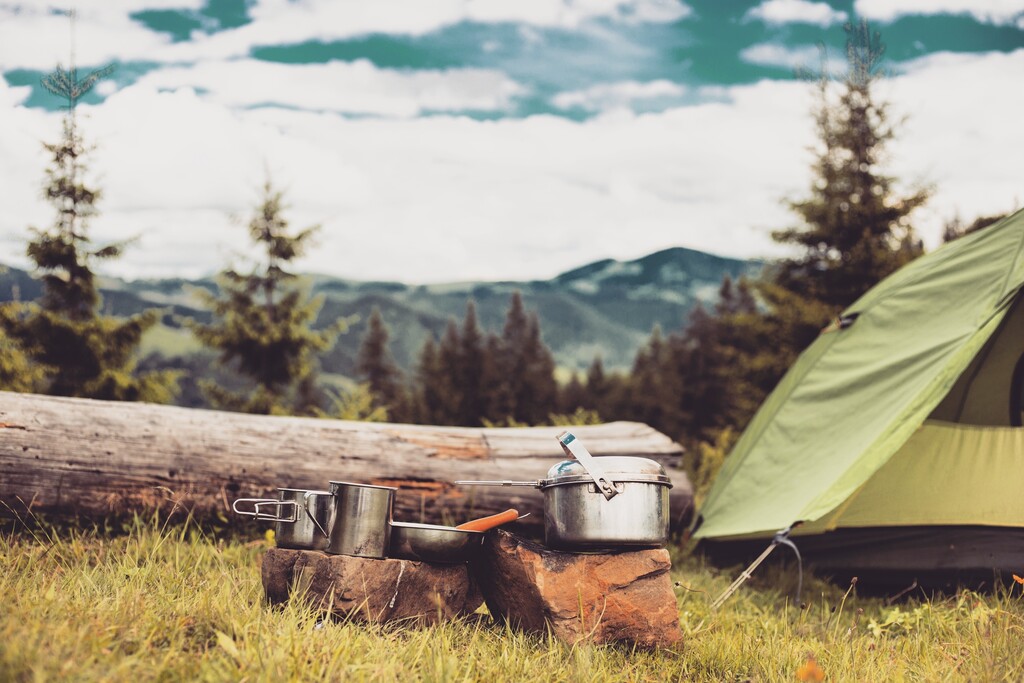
(601, 503)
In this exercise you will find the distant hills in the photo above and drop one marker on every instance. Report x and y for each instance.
(605, 308)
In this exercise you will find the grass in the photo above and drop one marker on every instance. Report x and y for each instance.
(175, 603)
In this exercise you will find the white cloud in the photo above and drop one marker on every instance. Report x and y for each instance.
(793, 57)
(796, 11)
(35, 36)
(32, 36)
(991, 11)
(616, 95)
(356, 87)
(654, 11)
(959, 133)
(87, 9)
(449, 198)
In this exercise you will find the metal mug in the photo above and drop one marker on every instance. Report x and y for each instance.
(361, 519)
(305, 530)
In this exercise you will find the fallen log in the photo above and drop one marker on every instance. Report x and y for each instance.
(99, 459)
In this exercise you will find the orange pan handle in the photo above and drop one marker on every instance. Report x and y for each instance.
(485, 523)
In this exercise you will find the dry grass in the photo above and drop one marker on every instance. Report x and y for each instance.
(176, 604)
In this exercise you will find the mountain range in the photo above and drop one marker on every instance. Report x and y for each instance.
(606, 308)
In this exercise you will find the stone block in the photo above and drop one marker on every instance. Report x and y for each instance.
(370, 590)
(619, 597)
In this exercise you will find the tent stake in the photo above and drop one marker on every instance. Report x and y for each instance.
(781, 537)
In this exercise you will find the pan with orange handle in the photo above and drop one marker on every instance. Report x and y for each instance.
(485, 523)
(443, 544)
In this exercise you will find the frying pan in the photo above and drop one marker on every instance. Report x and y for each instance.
(442, 544)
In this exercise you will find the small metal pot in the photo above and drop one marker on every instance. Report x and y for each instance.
(601, 503)
(361, 521)
(432, 543)
(302, 516)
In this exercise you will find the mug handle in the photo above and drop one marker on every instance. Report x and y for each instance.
(270, 517)
(305, 505)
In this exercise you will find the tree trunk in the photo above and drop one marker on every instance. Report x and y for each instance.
(95, 459)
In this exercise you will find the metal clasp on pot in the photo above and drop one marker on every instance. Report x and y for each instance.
(574, 449)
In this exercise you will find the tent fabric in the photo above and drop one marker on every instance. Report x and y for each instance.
(982, 394)
(946, 474)
(856, 395)
(892, 558)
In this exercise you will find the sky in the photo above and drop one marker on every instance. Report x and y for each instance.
(451, 140)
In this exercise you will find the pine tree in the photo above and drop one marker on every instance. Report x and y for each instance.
(596, 387)
(376, 366)
(528, 392)
(540, 396)
(428, 384)
(510, 361)
(854, 228)
(74, 350)
(472, 399)
(572, 396)
(449, 390)
(492, 379)
(262, 321)
(655, 385)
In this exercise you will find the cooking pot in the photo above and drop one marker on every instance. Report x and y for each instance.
(302, 516)
(601, 503)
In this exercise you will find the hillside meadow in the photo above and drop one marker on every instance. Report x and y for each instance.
(155, 602)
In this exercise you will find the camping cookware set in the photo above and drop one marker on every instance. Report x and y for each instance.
(589, 504)
(355, 519)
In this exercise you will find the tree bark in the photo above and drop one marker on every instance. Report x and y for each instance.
(94, 459)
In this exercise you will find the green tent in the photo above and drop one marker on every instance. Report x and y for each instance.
(896, 437)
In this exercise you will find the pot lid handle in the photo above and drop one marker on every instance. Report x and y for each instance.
(575, 449)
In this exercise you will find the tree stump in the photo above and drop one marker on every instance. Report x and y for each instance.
(620, 597)
(370, 590)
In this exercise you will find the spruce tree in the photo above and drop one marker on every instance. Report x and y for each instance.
(572, 396)
(472, 399)
(262, 321)
(511, 362)
(596, 387)
(655, 385)
(491, 381)
(429, 384)
(528, 390)
(541, 387)
(75, 350)
(449, 390)
(376, 366)
(854, 229)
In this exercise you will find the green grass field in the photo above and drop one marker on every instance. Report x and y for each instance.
(175, 603)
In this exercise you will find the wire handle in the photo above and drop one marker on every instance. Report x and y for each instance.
(271, 502)
(306, 497)
(574, 449)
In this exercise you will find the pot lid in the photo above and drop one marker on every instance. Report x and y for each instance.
(617, 468)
